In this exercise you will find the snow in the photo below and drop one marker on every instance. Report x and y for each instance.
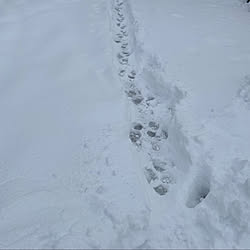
(124, 124)
(204, 49)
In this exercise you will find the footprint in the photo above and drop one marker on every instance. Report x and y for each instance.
(131, 93)
(125, 53)
(120, 19)
(137, 99)
(135, 135)
(153, 125)
(117, 40)
(159, 165)
(123, 61)
(122, 72)
(135, 95)
(138, 126)
(119, 35)
(124, 46)
(124, 32)
(151, 133)
(150, 175)
(132, 75)
(166, 179)
(155, 146)
(119, 56)
(164, 134)
(120, 14)
(161, 189)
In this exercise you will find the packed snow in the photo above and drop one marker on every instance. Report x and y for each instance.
(124, 124)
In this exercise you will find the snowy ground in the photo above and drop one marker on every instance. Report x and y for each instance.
(124, 124)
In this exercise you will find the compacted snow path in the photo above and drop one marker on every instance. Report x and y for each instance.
(152, 109)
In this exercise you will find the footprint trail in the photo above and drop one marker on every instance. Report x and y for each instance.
(149, 130)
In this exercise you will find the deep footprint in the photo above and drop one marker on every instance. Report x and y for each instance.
(122, 72)
(135, 135)
(137, 99)
(164, 134)
(153, 125)
(151, 133)
(138, 126)
(161, 189)
(159, 166)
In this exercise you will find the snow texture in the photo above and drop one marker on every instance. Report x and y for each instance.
(124, 124)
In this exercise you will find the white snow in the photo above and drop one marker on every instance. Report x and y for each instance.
(124, 124)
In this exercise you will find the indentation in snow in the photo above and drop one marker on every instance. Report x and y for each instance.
(200, 187)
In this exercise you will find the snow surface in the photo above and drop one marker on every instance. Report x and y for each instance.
(124, 124)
